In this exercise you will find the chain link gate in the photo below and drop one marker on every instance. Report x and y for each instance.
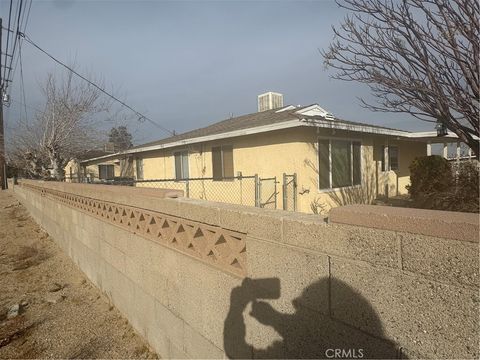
(289, 189)
(266, 193)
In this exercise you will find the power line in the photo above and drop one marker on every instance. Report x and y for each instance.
(8, 38)
(17, 36)
(24, 25)
(22, 84)
(140, 115)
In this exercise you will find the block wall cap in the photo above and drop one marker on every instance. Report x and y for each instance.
(443, 224)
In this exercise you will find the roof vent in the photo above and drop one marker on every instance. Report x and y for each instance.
(270, 100)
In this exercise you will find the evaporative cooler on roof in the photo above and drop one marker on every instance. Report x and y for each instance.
(270, 100)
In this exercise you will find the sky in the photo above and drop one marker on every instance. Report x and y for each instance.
(187, 64)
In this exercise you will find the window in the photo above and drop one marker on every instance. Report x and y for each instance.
(181, 165)
(393, 157)
(382, 157)
(222, 162)
(106, 172)
(339, 163)
(139, 168)
(391, 152)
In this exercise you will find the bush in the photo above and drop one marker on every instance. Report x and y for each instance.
(429, 174)
(436, 185)
(467, 194)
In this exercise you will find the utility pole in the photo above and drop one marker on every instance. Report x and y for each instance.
(3, 168)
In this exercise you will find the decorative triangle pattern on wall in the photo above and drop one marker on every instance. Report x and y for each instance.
(219, 247)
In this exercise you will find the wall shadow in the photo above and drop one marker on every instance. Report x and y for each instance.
(307, 333)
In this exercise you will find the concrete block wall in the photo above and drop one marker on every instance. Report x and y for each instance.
(370, 290)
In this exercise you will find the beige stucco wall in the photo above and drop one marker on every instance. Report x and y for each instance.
(92, 169)
(386, 290)
(72, 170)
(292, 151)
(272, 154)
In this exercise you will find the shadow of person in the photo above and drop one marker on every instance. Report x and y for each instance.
(310, 332)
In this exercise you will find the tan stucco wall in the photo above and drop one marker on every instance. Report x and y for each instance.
(72, 170)
(283, 151)
(293, 151)
(340, 286)
(92, 169)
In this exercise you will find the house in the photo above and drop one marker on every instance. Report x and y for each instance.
(108, 169)
(329, 161)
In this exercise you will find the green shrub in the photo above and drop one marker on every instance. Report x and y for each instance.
(429, 174)
(436, 185)
(467, 194)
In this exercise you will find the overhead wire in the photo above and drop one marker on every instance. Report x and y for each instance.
(17, 36)
(8, 67)
(22, 83)
(8, 39)
(140, 115)
(23, 26)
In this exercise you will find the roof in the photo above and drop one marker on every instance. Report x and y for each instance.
(269, 120)
(248, 121)
(93, 153)
(252, 120)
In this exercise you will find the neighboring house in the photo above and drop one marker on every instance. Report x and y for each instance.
(101, 171)
(336, 161)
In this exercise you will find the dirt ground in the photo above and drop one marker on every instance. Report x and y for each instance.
(60, 313)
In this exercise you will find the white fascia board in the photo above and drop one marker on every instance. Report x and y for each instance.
(283, 125)
(242, 132)
(289, 107)
(357, 128)
(430, 134)
(250, 131)
(433, 134)
(313, 110)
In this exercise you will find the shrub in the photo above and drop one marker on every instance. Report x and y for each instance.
(435, 185)
(467, 195)
(429, 174)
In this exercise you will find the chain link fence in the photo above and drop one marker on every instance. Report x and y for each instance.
(289, 192)
(267, 193)
(241, 190)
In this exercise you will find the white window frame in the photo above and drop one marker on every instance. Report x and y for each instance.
(221, 157)
(137, 162)
(386, 157)
(111, 166)
(351, 140)
(398, 158)
(188, 164)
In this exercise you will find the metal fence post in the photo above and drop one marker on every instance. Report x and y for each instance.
(284, 192)
(240, 179)
(275, 189)
(187, 188)
(257, 191)
(295, 192)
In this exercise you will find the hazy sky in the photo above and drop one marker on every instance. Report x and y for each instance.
(187, 64)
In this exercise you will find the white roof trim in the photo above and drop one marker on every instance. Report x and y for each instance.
(261, 129)
(313, 110)
(427, 134)
(278, 126)
(289, 107)
(356, 127)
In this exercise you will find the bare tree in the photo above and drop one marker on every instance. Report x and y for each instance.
(67, 127)
(419, 57)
